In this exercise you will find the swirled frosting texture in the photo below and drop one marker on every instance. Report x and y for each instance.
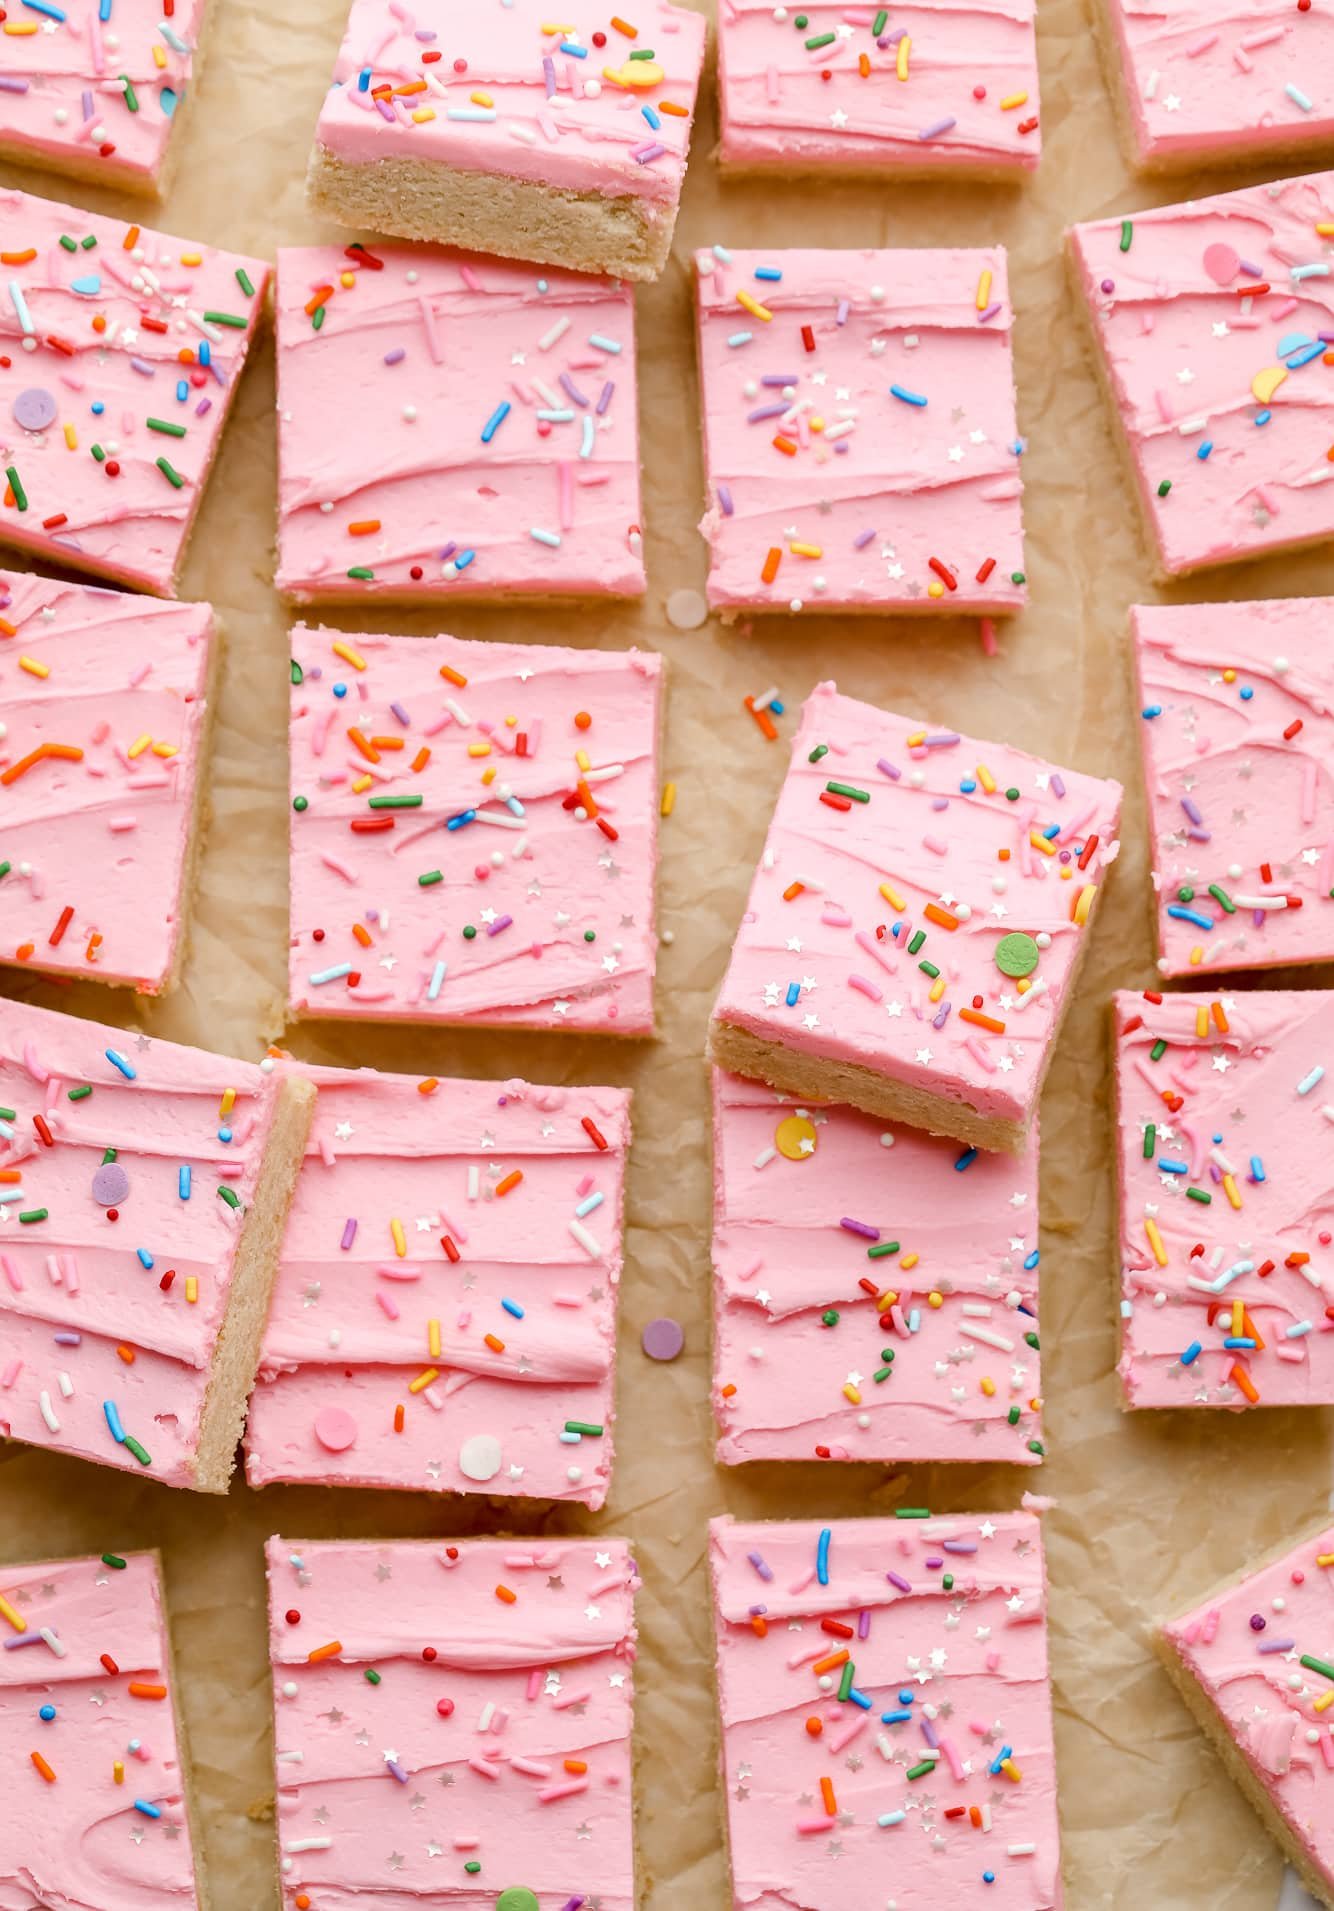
(1270, 1700)
(1237, 730)
(856, 901)
(941, 85)
(79, 1841)
(66, 101)
(808, 1201)
(466, 1239)
(948, 1712)
(124, 349)
(1208, 320)
(447, 426)
(101, 1345)
(1200, 83)
(859, 430)
(1226, 1114)
(496, 1736)
(102, 699)
(507, 87)
(474, 832)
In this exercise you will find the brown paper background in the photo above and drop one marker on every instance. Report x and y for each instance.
(1148, 1511)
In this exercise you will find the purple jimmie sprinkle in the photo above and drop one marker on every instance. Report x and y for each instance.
(942, 1015)
(989, 312)
(761, 412)
(725, 500)
(8, 85)
(937, 127)
(841, 316)
(958, 1545)
(935, 1562)
(781, 378)
(1200, 835)
(549, 75)
(645, 153)
(1277, 1645)
(1251, 271)
(204, 406)
(930, 1734)
(87, 102)
(573, 1904)
(862, 539)
(940, 802)
(349, 1232)
(867, 1232)
(142, 365)
(425, 33)
(887, 769)
(395, 357)
(572, 391)
(757, 1560)
(26, 1639)
(864, 1623)
(401, 714)
(1192, 809)
(395, 1770)
(605, 397)
(757, 1612)
(448, 551)
(1057, 782)
(501, 922)
(69, 1340)
(895, 1580)
(941, 740)
(385, 111)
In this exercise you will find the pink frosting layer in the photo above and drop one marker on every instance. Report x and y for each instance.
(1237, 1108)
(805, 1202)
(538, 912)
(479, 415)
(502, 92)
(1195, 360)
(94, 1262)
(1198, 82)
(1268, 1694)
(94, 337)
(502, 1292)
(953, 1677)
(95, 844)
(500, 1660)
(1241, 697)
(82, 1841)
(826, 488)
(962, 94)
(841, 894)
(65, 101)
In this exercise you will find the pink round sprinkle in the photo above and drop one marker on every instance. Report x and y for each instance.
(664, 1339)
(1221, 262)
(335, 1429)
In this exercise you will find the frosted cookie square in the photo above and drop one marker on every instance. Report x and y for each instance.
(860, 445)
(473, 832)
(832, 90)
(502, 129)
(1208, 321)
(1236, 723)
(501, 406)
(501, 1675)
(143, 1187)
(100, 95)
(105, 723)
(1224, 1126)
(885, 1704)
(93, 1739)
(875, 1291)
(122, 350)
(1253, 1664)
(916, 923)
(444, 1315)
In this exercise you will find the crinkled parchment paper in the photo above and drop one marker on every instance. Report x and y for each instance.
(1148, 1511)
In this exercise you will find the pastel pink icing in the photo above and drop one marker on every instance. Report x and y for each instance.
(64, 97)
(527, 1682)
(76, 1286)
(381, 415)
(971, 85)
(548, 116)
(106, 835)
(974, 1660)
(786, 1252)
(350, 1321)
(78, 1843)
(1236, 803)
(152, 297)
(1203, 84)
(1245, 1110)
(967, 852)
(810, 455)
(1193, 360)
(561, 899)
(1266, 1698)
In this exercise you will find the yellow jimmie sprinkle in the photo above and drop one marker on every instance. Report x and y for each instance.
(159, 61)
(1012, 100)
(481, 99)
(986, 779)
(165, 749)
(400, 1239)
(806, 550)
(361, 783)
(1232, 1192)
(988, 1387)
(936, 990)
(1325, 1700)
(1325, 230)
(118, 1772)
(479, 749)
(892, 896)
(1040, 842)
(1238, 1317)
(887, 1300)
(909, 1260)
(139, 745)
(33, 668)
(192, 1288)
(433, 1339)
(15, 1618)
(1084, 902)
(983, 291)
(668, 803)
(423, 1380)
(1011, 1770)
(71, 438)
(854, 1394)
(1201, 1023)
(1155, 1240)
(349, 656)
(753, 306)
(901, 63)
(422, 115)
(581, 757)
(1197, 955)
(228, 1102)
(917, 739)
(1325, 1559)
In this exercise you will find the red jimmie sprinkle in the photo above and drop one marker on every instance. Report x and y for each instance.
(447, 1244)
(944, 573)
(109, 1664)
(808, 338)
(835, 802)
(48, 1139)
(594, 1133)
(1292, 729)
(984, 570)
(370, 825)
(54, 524)
(613, 835)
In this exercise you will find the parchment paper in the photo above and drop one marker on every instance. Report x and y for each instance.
(1150, 1511)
